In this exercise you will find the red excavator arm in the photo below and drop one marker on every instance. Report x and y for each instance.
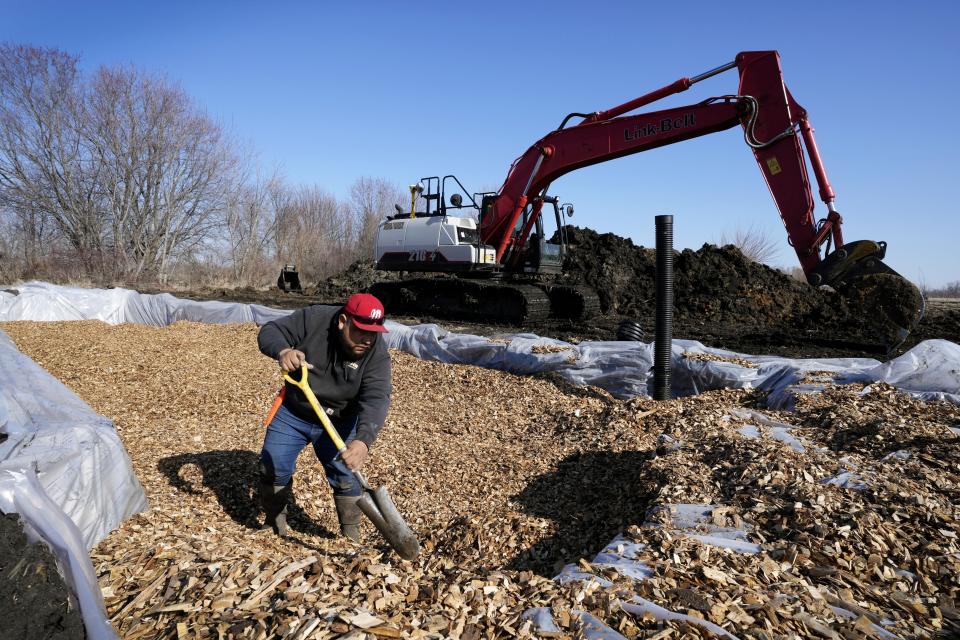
(764, 107)
(775, 127)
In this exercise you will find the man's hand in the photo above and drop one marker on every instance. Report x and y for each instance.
(355, 455)
(292, 359)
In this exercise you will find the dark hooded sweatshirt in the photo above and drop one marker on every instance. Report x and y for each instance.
(344, 388)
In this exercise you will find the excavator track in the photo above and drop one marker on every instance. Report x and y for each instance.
(462, 299)
(572, 302)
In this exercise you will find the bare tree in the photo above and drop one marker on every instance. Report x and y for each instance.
(167, 170)
(46, 170)
(124, 167)
(796, 273)
(281, 198)
(371, 200)
(250, 229)
(756, 244)
(10, 266)
(121, 176)
(311, 228)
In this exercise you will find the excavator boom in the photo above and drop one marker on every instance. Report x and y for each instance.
(778, 131)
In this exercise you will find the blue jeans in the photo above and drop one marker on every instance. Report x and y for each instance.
(286, 437)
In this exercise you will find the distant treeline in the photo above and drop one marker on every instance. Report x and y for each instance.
(119, 177)
(950, 290)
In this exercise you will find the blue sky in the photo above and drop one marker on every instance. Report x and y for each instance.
(330, 92)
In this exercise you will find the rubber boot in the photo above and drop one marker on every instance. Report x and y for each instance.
(274, 499)
(349, 515)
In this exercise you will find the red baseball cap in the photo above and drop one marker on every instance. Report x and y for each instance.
(366, 312)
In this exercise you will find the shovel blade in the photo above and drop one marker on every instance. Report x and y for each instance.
(379, 508)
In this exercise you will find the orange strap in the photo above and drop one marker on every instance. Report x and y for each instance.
(275, 406)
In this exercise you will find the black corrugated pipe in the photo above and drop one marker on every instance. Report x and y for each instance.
(662, 351)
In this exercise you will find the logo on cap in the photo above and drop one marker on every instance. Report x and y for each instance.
(366, 312)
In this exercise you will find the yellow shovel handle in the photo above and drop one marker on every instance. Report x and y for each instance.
(304, 385)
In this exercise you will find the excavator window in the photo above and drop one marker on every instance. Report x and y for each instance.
(486, 204)
(467, 235)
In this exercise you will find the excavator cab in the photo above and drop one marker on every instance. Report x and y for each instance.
(541, 255)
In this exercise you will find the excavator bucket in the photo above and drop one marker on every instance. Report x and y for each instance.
(889, 304)
(289, 279)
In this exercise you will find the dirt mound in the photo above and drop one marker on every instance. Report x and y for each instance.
(357, 277)
(712, 282)
(36, 604)
(712, 285)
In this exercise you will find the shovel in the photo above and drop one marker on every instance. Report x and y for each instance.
(376, 504)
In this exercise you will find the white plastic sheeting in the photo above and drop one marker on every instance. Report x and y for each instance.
(42, 301)
(696, 521)
(623, 368)
(775, 429)
(76, 454)
(929, 370)
(65, 471)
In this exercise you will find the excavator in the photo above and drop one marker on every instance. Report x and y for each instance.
(493, 244)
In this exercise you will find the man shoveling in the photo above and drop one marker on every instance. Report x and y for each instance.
(348, 370)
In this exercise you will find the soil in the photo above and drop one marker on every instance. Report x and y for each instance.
(36, 604)
(721, 298)
(356, 277)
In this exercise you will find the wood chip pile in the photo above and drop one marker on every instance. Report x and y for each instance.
(712, 357)
(506, 480)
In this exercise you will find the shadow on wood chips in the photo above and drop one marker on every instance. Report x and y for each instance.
(232, 476)
(590, 498)
(35, 599)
